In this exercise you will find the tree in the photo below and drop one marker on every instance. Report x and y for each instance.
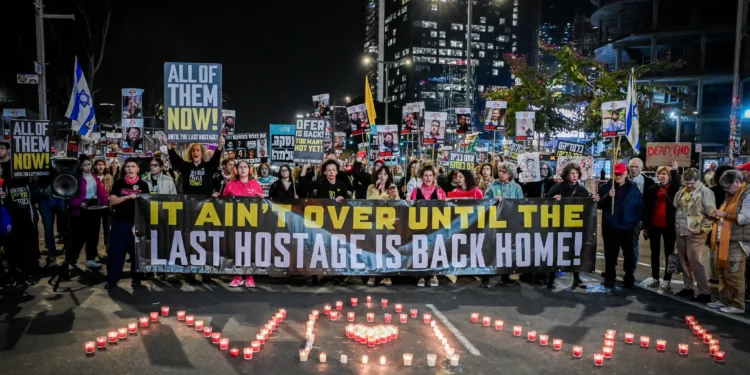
(593, 84)
(94, 43)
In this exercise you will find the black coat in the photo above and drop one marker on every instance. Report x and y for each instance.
(568, 190)
(649, 201)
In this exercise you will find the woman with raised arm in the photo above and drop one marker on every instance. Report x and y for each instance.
(197, 169)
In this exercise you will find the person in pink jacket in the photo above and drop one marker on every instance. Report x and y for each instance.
(86, 210)
(428, 191)
(467, 187)
(243, 185)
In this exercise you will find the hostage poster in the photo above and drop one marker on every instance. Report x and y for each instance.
(463, 120)
(494, 116)
(321, 104)
(434, 127)
(525, 125)
(132, 136)
(388, 140)
(613, 119)
(30, 148)
(228, 119)
(252, 147)
(358, 119)
(192, 102)
(242, 235)
(132, 103)
(411, 115)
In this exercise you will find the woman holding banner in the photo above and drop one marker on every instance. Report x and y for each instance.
(243, 185)
(504, 188)
(569, 188)
(122, 202)
(284, 188)
(428, 191)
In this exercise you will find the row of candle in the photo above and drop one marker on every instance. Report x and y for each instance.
(371, 335)
(707, 338)
(408, 359)
(450, 353)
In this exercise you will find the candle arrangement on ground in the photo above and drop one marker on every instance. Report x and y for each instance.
(371, 335)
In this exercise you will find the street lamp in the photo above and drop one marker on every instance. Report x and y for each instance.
(348, 99)
(386, 64)
(746, 114)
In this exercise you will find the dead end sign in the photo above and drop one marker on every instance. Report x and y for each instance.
(663, 153)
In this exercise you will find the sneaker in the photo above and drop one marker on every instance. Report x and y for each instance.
(687, 293)
(93, 264)
(237, 281)
(386, 282)
(249, 282)
(666, 285)
(732, 310)
(654, 283)
(715, 305)
(578, 284)
(421, 283)
(371, 281)
(703, 298)
(434, 281)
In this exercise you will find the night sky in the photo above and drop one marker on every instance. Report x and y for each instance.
(275, 54)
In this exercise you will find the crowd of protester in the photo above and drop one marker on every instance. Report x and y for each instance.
(679, 214)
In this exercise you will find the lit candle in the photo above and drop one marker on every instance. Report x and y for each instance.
(89, 347)
(215, 337)
(577, 351)
(403, 318)
(713, 342)
(198, 325)
(713, 349)
(557, 344)
(609, 336)
(609, 343)
(474, 317)
(154, 316)
(629, 338)
(399, 307)
(644, 341)
(707, 338)
(339, 305)
(262, 339)
(112, 337)
(432, 324)
(234, 352)
(189, 320)
(165, 311)
(449, 351)
(454, 360)
(661, 345)
(499, 325)
(543, 340)
(255, 345)
(370, 317)
(486, 321)
(133, 327)
(303, 355)
(387, 317)
(431, 358)
(408, 357)
(701, 333)
(207, 331)
(598, 359)
(122, 333)
(517, 330)
(443, 341)
(683, 348)
(326, 309)
(719, 356)
(247, 353)
(224, 343)
(689, 318)
(101, 342)
(354, 301)
(369, 299)
(384, 302)
(697, 328)
(350, 316)
(181, 315)
(607, 351)
(364, 357)
(611, 332)
(531, 335)
(144, 321)
(283, 313)
(322, 357)
(344, 358)
(427, 318)
(414, 313)
(371, 341)
(334, 315)
(316, 313)
(382, 360)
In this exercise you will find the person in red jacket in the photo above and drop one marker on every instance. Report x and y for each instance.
(243, 185)
(467, 187)
(86, 211)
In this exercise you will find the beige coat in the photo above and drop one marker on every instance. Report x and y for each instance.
(698, 209)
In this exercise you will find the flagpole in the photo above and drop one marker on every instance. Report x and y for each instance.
(615, 149)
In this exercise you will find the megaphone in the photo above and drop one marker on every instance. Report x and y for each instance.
(64, 180)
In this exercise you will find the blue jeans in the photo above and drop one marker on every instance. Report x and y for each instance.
(47, 210)
(122, 243)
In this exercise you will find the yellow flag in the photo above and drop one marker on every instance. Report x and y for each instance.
(369, 103)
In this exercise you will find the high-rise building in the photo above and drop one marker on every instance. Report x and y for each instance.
(432, 36)
(557, 34)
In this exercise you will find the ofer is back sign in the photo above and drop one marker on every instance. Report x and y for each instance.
(192, 102)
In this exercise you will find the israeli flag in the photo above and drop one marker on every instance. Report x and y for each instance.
(632, 120)
(81, 106)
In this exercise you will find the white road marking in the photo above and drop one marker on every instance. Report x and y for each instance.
(461, 338)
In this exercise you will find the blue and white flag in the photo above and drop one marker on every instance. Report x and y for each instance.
(81, 106)
(632, 120)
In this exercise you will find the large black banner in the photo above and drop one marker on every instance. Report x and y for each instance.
(363, 237)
